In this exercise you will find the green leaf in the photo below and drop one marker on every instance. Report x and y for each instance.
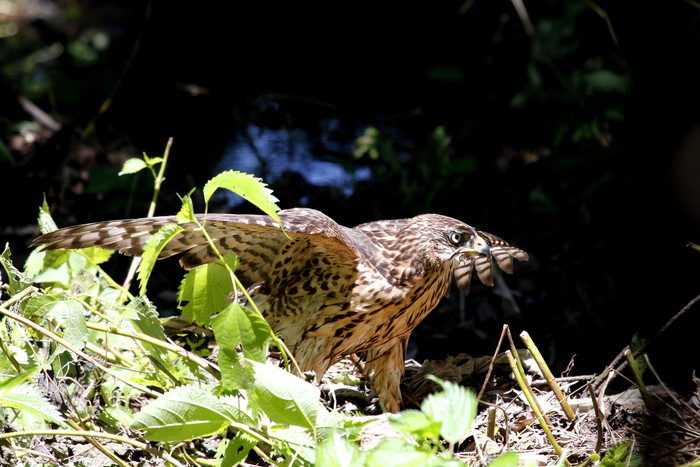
(132, 166)
(45, 221)
(417, 423)
(28, 398)
(396, 451)
(247, 186)
(54, 275)
(237, 409)
(619, 456)
(97, 255)
(283, 397)
(338, 451)
(237, 326)
(147, 322)
(152, 249)
(151, 161)
(17, 280)
(454, 407)
(186, 213)
(205, 290)
(237, 450)
(508, 459)
(70, 315)
(182, 414)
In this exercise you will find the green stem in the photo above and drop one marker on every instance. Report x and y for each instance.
(94, 434)
(73, 349)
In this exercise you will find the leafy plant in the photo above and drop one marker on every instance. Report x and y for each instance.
(84, 327)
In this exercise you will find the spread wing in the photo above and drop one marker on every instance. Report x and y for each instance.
(501, 251)
(256, 239)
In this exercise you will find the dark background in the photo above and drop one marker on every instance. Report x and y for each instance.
(571, 130)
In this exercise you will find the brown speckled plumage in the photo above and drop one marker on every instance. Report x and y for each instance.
(329, 290)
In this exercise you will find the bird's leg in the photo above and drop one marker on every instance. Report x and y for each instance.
(387, 364)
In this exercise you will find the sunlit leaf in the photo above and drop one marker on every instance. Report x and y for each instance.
(417, 423)
(16, 279)
(337, 451)
(249, 187)
(182, 414)
(28, 398)
(70, 315)
(454, 407)
(204, 290)
(284, 397)
(152, 249)
(133, 165)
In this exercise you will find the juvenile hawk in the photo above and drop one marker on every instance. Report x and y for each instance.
(328, 291)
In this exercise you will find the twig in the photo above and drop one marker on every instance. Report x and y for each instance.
(492, 363)
(73, 349)
(159, 179)
(95, 434)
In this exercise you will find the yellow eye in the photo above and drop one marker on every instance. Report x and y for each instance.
(456, 237)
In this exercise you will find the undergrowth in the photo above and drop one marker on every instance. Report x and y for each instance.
(83, 357)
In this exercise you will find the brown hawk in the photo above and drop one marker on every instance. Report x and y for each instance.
(327, 290)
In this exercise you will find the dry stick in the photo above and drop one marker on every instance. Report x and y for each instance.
(621, 355)
(547, 373)
(493, 360)
(599, 417)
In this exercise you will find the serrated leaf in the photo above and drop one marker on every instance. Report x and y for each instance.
(237, 409)
(454, 407)
(237, 325)
(39, 305)
(34, 263)
(417, 423)
(338, 451)
(152, 249)
(44, 219)
(147, 322)
(182, 414)
(205, 290)
(186, 213)
(233, 328)
(237, 450)
(97, 255)
(283, 397)
(70, 315)
(28, 398)
(132, 166)
(249, 187)
(59, 275)
(16, 279)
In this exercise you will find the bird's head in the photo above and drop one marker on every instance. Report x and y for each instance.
(447, 240)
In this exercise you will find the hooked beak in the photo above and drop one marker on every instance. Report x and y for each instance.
(477, 246)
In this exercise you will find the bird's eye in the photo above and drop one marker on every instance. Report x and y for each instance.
(456, 237)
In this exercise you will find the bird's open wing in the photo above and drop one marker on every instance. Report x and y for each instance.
(256, 239)
(501, 251)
